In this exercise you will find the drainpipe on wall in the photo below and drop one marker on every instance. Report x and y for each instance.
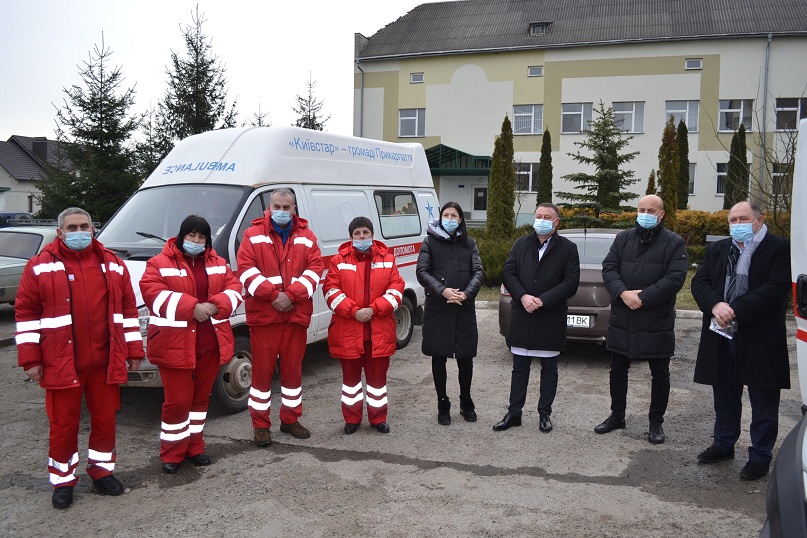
(764, 127)
(361, 99)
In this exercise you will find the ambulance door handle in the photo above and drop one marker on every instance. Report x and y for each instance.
(801, 296)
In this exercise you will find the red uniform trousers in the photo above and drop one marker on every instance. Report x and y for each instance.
(375, 374)
(64, 411)
(187, 396)
(284, 341)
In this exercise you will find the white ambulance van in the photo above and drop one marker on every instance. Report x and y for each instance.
(786, 499)
(227, 176)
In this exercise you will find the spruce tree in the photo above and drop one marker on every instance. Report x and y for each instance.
(606, 188)
(668, 177)
(736, 187)
(683, 169)
(309, 109)
(196, 98)
(544, 187)
(651, 183)
(501, 186)
(94, 128)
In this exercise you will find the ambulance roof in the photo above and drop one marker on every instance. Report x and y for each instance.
(260, 155)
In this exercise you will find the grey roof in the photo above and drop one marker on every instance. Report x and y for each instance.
(490, 25)
(22, 162)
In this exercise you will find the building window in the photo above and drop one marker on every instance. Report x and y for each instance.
(735, 112)
(535, 71)
(693, 63)
(539, 28)
(526, 177)
(789, 110)
(528, 119)
(576, 117)
(781, 179)
(415, 78)
(691, 179)
(411, 122)
(629, 116)
(722, 173)
(684, 110)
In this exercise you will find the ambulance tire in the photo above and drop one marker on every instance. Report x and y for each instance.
(404, 323)
(231, 389)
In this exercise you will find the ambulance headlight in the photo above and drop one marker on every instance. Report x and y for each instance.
(143, 314)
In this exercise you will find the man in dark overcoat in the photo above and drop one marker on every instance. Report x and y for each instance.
(742, 288)
(541, 274)
(643, 272)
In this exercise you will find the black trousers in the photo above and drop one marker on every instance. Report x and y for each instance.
(659, 387)
(465, 376)
(521, 378)
(729, 410)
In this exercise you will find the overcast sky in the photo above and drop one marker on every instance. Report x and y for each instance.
(267, 46)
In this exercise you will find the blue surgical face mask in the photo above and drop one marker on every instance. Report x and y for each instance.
(450, 225)
(646, 220)
(543, 226)
(77, 240)
(362, 244)
(743, 232)
(281, 218)
(193, 249)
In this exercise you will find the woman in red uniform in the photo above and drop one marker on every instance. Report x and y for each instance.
(363, 289)
(191, 293)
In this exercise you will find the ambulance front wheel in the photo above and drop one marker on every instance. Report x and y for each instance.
(404, 323)
(231, 389)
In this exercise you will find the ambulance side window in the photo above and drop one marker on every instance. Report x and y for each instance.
(254, 211)
(398, 213)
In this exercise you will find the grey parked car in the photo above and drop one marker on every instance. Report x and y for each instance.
(786, 501)
(17, 246)
(590, 307)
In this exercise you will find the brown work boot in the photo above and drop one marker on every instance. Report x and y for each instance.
(295, 430)
(263, 437)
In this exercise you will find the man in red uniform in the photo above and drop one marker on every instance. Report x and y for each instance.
(77, 328)
(280, 265)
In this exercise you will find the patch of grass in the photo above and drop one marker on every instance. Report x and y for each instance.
(684, 300)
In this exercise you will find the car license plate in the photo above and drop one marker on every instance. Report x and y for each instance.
(573, 320)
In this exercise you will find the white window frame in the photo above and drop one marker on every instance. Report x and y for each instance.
(800, 111)
(684, 110)
(531, 171)
(539, 28)
(528, 119)
(693, 64)
(416, 78)
(739, 110)
(630, 116)
(779, 171)
(582, 111)
(535, 71)
(416, 116)
(722, 170)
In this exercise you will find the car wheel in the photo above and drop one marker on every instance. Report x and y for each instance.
(404, 323)
(231, 389)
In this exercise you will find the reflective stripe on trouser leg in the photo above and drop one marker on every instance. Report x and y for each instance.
(265, 343)
(174, 428)
(103, 401)
(64, 412)
(207, 368)
(375, 372)
(63, 473)
(352, 394)
(292, 350)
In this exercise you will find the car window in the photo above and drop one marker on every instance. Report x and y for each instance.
(592, 249)
(19, 245)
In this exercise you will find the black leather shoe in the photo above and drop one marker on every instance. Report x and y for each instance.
(754, 470)
(351, 428)
(200, 460)
(62, 497)
(610, 424)
(108, 485)
(170, 468)
(656, 433)
(508, 421)
(546, 423)
(714, 454)
(383, 427)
